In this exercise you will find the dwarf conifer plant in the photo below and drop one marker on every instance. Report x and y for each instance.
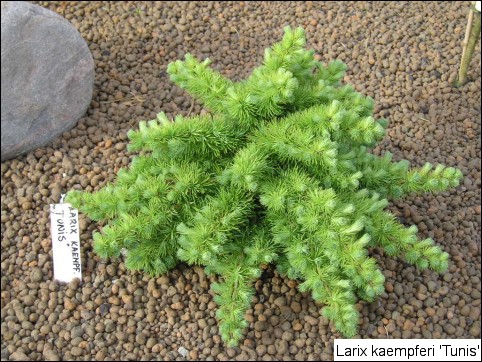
(279, 172)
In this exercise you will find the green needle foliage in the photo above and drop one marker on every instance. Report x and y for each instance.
(279, 172)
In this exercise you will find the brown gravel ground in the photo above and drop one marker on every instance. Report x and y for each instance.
(404, 55)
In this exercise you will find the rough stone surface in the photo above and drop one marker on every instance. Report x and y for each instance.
(47, 77)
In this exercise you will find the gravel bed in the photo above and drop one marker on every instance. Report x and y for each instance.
(404, 55)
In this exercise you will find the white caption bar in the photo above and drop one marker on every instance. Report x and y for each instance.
(64, 222)
(407, 350)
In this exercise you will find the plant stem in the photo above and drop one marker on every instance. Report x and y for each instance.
(474, 34)
(467, 32)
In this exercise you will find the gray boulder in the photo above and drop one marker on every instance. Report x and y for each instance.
(47, 77)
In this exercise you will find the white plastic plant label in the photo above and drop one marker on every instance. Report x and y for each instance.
(64, 222)
(477, 6)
